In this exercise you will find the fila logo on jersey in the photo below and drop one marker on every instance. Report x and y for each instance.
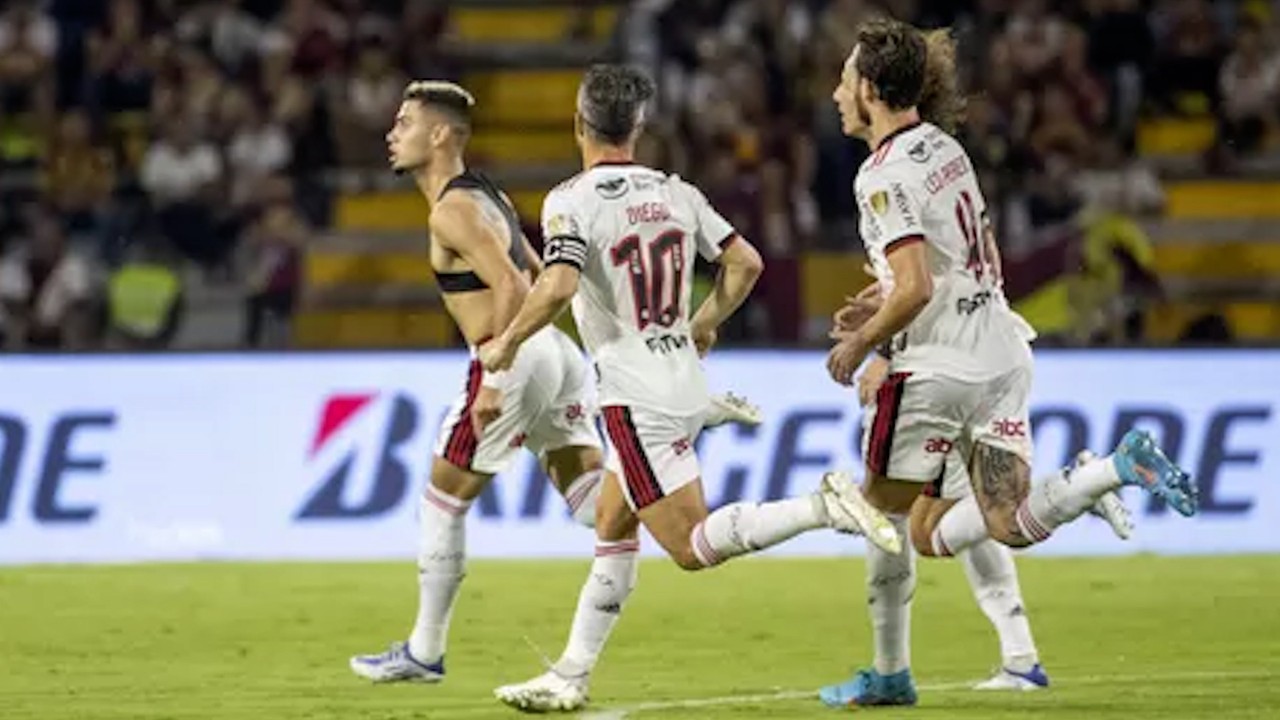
(612, 189)
(574, 413)
(682, 446)
(1010, 428)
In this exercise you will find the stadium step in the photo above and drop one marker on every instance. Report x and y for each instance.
(537, 22)
(1217, 199)
(522, 98)
(373, 327)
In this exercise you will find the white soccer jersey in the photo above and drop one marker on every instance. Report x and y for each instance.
(919, 186)
(632, 232)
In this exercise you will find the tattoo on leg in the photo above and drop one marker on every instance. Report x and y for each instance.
(1004, 481)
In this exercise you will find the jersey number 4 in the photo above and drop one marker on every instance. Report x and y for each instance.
(655, 292)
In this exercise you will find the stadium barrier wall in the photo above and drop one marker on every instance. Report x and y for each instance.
(320, 456)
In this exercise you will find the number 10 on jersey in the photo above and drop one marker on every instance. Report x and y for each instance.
(656, 272)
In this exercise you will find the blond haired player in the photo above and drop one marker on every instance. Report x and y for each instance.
(483, 265)
(960, 362)
(621, 240)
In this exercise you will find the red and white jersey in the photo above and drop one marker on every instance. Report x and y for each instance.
(919, 186)
(632, 232)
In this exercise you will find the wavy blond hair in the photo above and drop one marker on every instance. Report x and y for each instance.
(942, 102)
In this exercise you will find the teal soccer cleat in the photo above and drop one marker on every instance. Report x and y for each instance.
(868, 687)
(1139, 461)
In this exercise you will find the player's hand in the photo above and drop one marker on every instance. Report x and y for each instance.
(858, 308)
(871, 379)
(486, 408)
(704, 338)
(498, 354)
(846, 356)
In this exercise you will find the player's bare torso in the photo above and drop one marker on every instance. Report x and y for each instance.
(472, 310)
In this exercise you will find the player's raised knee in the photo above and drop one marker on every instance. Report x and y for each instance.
(922, 539)
(1002, 525)
(687, 559)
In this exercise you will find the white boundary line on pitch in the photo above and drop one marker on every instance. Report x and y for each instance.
(620, 713)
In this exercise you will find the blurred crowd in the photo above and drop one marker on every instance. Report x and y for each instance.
(142, 137)
(138, 138)
(1056, 91)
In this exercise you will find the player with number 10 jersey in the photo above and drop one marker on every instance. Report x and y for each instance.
(635, 230)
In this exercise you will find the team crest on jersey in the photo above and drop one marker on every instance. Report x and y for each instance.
(920, 152)
(612, 189)
(880, 202)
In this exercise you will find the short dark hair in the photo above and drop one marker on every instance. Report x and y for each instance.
(892, 56)
(612, 101)
(450, 98)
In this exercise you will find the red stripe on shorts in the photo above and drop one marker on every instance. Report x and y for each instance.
(461, 448)
(638, 474)
(888, 402)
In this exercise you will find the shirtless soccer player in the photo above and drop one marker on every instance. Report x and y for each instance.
(621, 239)
(988, 565)
(482, 263)
(960, 365)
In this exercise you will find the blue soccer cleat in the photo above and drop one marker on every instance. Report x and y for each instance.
(868, 688)
(397, 665)
(1139, 461)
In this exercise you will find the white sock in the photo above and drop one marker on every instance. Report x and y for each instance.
(961, 527)
(891, 583)
(612, 578)
(581, 496)
(442, 557)
(994, 578)
(1065, 496)
(745, 527)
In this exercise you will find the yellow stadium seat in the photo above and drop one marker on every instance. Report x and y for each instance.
(1249, 321)
(533, 24)
(374, 328)
(1218, 260)
(401, 210)
(524, 146)
(826, 278)
(326, 269)
(1176, 136)
(1221, 200)
(518, 98)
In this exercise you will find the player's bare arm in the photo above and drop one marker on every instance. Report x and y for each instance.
(458, 224)
(911, 292)
(531, 257)
(550, 296)
(740, 268)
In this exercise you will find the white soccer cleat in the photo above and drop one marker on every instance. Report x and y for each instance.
(549, 692)
(729, 408)
(1109, 507)
(397, 665)
(1008, 680)
(849, 512)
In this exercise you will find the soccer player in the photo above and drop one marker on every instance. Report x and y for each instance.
(620, 245)
(988, 565)
(960, 363)
(482, 263)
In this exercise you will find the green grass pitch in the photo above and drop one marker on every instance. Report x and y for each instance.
(1132, 638)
